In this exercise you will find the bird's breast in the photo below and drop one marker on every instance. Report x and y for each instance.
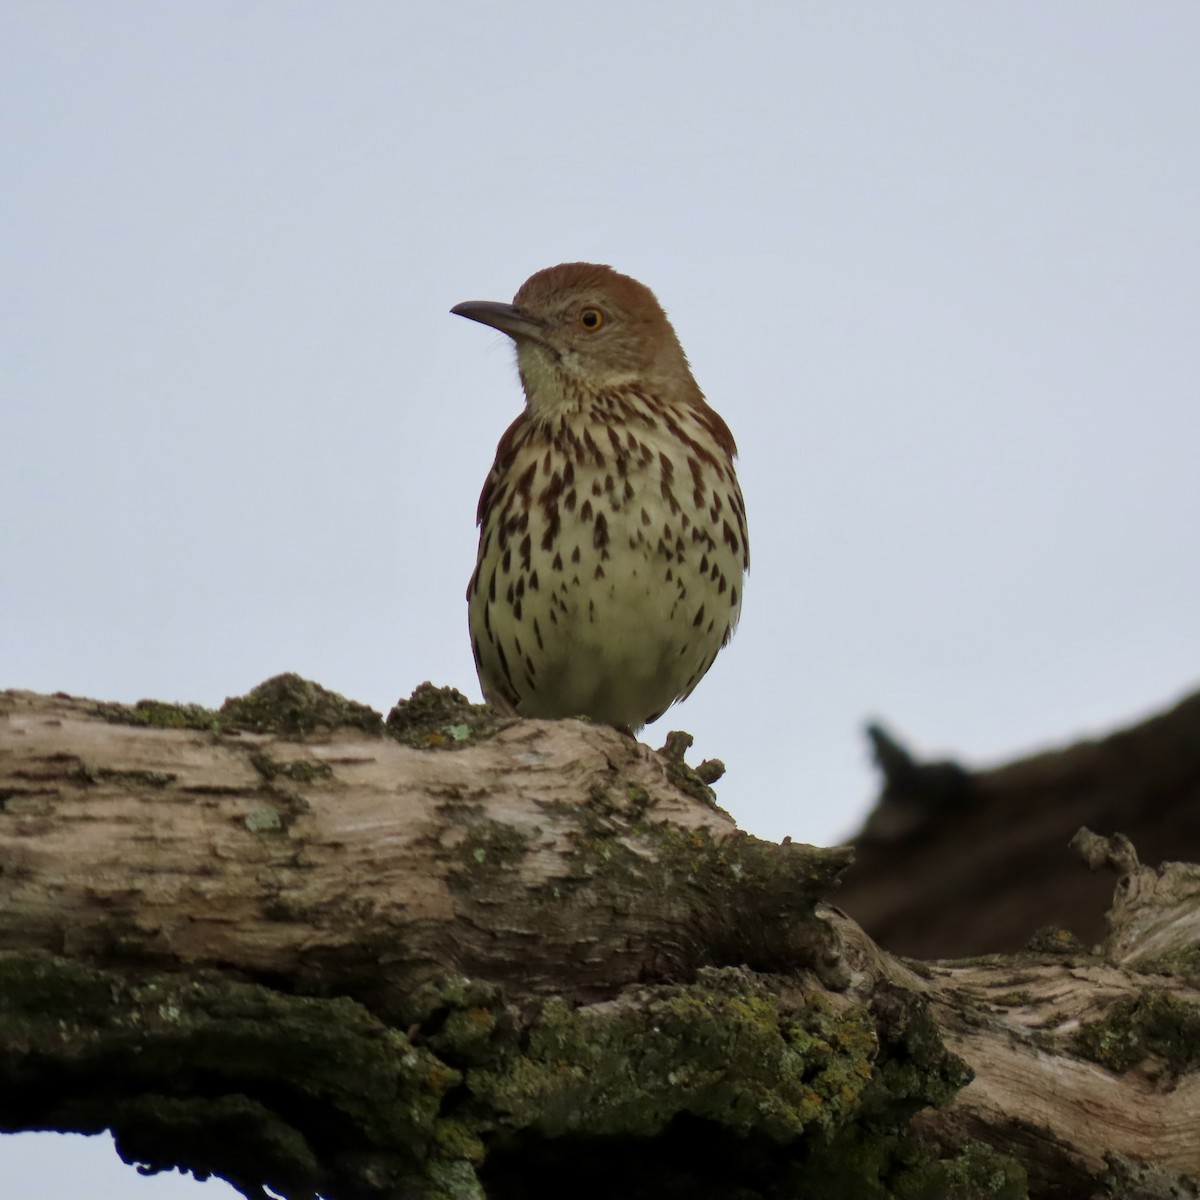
(613, 542)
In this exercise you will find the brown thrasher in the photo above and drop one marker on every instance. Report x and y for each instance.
(612, 539)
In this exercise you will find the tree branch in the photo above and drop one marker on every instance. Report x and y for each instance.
(294, 946)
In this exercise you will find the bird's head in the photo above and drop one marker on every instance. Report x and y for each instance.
(582, 330)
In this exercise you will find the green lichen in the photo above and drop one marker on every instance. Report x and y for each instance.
(212, 1075)
(449, 993)
(159, 1132)
(612, 820)
(710, 771)
(915, 1069)
(85, 776)
(488, 849)
(441, 718)
(461, 1019)
(285, 704)
(1130, 1179)
(878, 1164)
(722, 1049)
(765, 878)
(1154, 1024)
(692, 782)
(295, 708)
(743, 900)
(264, 820)
(639, 799)
(457, 1141)
(1183, 965)
(330, 1050)
(1014, 999)
(1051, 939)
(977, 1172)
(467, 1032)
(159, 714)
(610, 809)
(452, 1179)
(28, 802)
(298, 770)
(720, 1087)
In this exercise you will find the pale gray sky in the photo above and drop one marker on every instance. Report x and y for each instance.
(938, 266)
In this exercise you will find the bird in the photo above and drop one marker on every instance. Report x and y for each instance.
(612, 529)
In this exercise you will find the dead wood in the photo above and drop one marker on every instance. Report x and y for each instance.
(449, 956)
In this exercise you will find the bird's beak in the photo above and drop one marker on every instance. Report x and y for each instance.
(503, 317)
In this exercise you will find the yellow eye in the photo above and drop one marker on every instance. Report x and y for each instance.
(591, 319)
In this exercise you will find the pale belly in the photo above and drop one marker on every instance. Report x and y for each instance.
(614, 627)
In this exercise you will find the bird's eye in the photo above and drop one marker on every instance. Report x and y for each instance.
(591, 319)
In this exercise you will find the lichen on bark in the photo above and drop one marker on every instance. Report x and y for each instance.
(207, 1074)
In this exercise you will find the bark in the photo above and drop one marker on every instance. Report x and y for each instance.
(455, 956)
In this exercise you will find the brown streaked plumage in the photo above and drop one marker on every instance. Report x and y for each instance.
(612, 532)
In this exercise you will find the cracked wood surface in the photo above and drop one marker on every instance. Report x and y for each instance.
(352, 864)
(1013, 1020)
(190, 848)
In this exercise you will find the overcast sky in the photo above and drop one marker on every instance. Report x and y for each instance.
(938, 266)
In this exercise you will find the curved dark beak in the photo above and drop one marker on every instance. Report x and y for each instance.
(503, 317)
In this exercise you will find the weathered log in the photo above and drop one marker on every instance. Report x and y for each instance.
(289, 945)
